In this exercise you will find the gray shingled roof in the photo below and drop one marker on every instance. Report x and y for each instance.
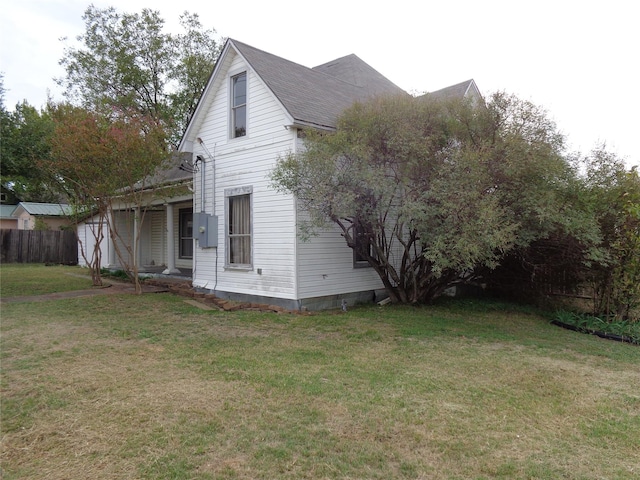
(356, 72)
(172, 173)
(458, 90)
(316, 96)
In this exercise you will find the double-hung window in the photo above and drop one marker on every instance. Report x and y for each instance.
(239, 227)
(239, 105)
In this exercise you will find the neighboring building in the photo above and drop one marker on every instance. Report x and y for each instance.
(254, 110)
(7, 220)
(7, 196)
(54, 216)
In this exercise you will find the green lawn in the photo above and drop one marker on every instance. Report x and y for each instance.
(125, 386)
(20, 279)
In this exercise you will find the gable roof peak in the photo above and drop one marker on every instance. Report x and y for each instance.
(316, 96)
(459, 90)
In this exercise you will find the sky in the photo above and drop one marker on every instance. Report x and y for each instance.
(576, 59)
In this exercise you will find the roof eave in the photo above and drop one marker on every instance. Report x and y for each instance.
(302, 124)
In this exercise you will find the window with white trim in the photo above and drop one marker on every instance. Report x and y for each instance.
(238, 228)
(239, 105)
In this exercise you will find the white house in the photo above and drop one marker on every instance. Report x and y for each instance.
(213, 214)
(253, 110)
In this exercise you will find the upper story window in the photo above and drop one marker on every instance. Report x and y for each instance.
(239, 105)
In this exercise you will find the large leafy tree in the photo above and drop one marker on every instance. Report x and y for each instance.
(134, 86)
(82, 165)
(430, 193)
(612, 194)
(127, 61)
(25, 134)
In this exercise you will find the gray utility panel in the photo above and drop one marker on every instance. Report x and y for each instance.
(206, 230)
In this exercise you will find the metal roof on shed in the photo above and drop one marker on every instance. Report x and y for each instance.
(46, 209)
(6, 211)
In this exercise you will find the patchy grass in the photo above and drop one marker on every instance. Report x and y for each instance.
(149, 387)
(20, 279)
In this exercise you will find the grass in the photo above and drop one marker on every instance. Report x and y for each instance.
(126, 386)
(20, 279)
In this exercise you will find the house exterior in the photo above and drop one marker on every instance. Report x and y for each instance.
(166, 233)
(213, 215)
(254, 110)
(7, 220)
(52, 215)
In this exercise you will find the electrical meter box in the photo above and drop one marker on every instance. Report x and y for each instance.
(206, 230)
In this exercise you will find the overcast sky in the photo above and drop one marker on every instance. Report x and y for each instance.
(577, 59)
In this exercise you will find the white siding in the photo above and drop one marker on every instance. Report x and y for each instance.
(145, 243)
(325, 267)
(124, 226)
(88, 240)
(158, 240)
(283, 266)
(325, 264)
(243, 162)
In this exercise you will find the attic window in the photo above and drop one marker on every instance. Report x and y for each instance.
(239, 105)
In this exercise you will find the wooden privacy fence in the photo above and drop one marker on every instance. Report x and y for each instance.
(39, 246)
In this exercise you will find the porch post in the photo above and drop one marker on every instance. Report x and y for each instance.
(171, 249)
(111, 249)
(136, 239)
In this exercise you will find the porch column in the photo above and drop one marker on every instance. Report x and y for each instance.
(136, 239)
(111, 249)
(171, 249)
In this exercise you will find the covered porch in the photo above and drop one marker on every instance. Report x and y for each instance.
(159, 272)
(166, 239)
(164, 227)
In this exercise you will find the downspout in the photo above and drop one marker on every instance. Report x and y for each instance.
(202, 184)
(202, 197)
